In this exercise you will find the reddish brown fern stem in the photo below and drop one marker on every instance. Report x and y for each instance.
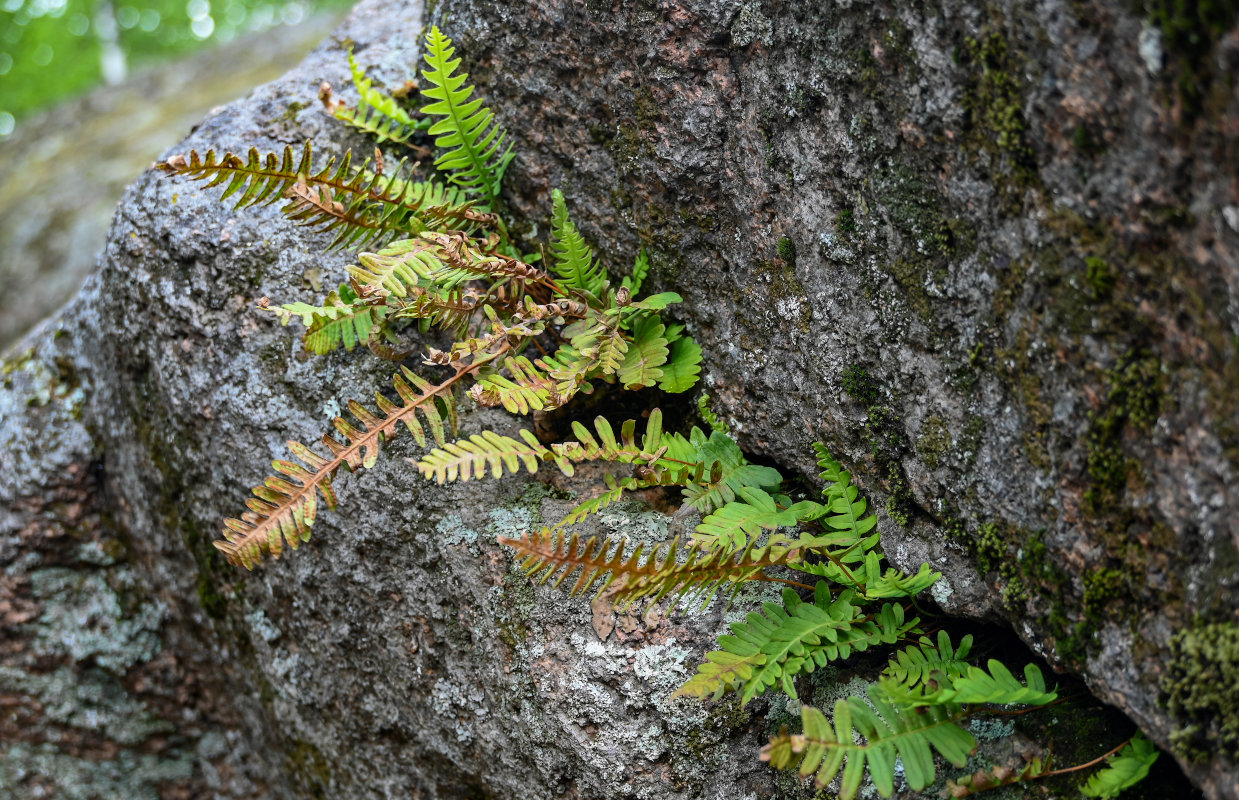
(1085, 765)
(345, 454)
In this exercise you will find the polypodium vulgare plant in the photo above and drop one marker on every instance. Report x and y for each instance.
(531, 332)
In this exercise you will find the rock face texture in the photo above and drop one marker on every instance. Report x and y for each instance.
(988, 252)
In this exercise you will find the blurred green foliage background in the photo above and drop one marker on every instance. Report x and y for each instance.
(54, 49)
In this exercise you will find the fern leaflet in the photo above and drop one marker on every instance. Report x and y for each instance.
(473, 148)
(377, 113)
(771, 649)
(1125, 769)
(889, 732)
(575, 264)
(914, 664)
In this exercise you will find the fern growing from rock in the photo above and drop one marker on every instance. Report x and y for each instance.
(529, 336)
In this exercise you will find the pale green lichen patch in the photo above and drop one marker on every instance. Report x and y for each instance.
(128, 775)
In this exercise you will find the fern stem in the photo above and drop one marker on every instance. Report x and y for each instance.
(1086, 765)
(1017, 712)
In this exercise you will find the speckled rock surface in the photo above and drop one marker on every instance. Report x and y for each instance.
(987, 252)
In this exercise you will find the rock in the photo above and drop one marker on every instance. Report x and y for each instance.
(1005, 226)
(1021, 337)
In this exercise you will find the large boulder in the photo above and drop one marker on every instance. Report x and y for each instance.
(986, 252)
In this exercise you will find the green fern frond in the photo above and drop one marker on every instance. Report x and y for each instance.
(642, 364)
(771, 649)
(998, 686)
(913, 665)
(471, 457)
(1124, 770)
(641, 576)
(377, 113)
(340, 321)
(889, 733)
(401, 265)
(733, 526)
(709, 417)
(640, 269)
(575, 264)
(606, 447)
(683, 367)
(474, 148)
(284, 506)
(726, 472)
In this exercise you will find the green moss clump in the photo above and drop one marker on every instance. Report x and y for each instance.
(845, 221)
(934, 442)
(1201, 689)
(1099, 276)
(787, 250)
(857, 383)
(1135, 397)
(994, 102)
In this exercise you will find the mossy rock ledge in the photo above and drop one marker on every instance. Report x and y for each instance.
(987, 252)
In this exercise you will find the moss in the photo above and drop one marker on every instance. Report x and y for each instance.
(1135, 398)
(845, 221)
(787, 250)
(1099, 276)
(857, 383)
(1191, 29)
(994, 103)
(294, 108)
(308, 764)
(1101, 588)
(886, 433)
(1201, 689)
(934, 442)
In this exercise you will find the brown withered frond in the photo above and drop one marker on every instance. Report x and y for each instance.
(644, 575)
(284, 506)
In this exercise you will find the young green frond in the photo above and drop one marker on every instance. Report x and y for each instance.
(683, 367)
(606, 447)
(642, 364)
(872, 735)
(1124, 770)
(640, 269)
(575, 264)
(913, 665)
(771, 649)
(377, 113)
(725, 472)
(283, 510)
(474, 148)
(733, 526)
(340, 321)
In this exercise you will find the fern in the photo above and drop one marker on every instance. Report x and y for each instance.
(643, 361)
(339, 322)
(1125, 769)
(915, 664)
(734, 525)
(475, 152)
(284, 507)
(772, 649)
(377, 114)
(682, 368)
(888, 732)
(663, 572)
(575, 264)
(640, 269)
(728, 472)
(361, 207)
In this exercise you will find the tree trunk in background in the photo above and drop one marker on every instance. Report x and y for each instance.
(987, 252)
